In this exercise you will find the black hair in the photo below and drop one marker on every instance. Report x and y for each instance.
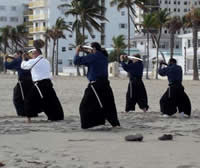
(172, 61)
(97, 46)
(19, 52)
(39, 51)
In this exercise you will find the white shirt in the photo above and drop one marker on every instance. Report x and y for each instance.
(40, 68)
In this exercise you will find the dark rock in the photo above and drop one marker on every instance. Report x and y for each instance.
(136, 137)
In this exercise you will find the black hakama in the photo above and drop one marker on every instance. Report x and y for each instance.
(20, 93)
(98, 105)
(136, 93)
(43, 97)
(174, 98)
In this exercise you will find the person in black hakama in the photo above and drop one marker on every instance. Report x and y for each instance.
(98, 102)
(42, 95)
(136, 92)
(23, 85)
(175, 96)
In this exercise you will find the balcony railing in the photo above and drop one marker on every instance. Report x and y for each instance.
(37, 17)
(40, 29)
(30, 43)
(37, 4)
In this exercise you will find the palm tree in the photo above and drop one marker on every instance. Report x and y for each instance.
(5, 34)
(47, 40)
(129, 4)
(173, 24)
(148, 24)
(55, 33)
(192, 19)
(162, 17)
(119, 45)
(87, 13)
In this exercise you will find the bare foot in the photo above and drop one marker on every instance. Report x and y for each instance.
(28, 120)
(144, 110)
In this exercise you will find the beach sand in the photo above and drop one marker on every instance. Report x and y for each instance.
(44, 144)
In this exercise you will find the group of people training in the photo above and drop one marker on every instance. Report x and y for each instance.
(34, 91)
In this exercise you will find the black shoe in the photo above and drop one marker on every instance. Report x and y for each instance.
(166, 137)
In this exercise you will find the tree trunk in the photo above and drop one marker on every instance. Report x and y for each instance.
(84, 70)
(195, 64)
(53, 57)
(57, 47)
(129, 31)
(46, 47)
(147, 70)
(5, 48)
(171, 44)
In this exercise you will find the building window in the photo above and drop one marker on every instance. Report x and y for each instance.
(70, 61)
(165, 2)
(198, 42)
(179, 3)
(141, 43)
(3, 19)
(135, 44)
(44, 24)
(13, 8)
(177, 46)
(198, 63)
(59, 61)
(122, 13)
(174, 2)
(178, 10)
(165, 31)
(2, 7)
(102, 39)
(174, 9)
(70, 48)
(122, 26)
(189, 43)
(14, 19)
(70, 36)
(185, 3)
(169, 9)
(63, 49)
(93, 36)
(185, 10)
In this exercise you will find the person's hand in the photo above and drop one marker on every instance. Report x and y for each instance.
(78, 49)
(121, 58)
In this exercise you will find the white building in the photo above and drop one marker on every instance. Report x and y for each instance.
(12, 12)
(188, 52)
(45, 13)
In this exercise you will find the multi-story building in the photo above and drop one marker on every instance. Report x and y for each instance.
(45, 13)
(176, 8)
(12, 12)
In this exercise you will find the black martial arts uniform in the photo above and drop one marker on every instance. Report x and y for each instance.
(136, 92)
(42, 94)
(98, 102)
(23, 86)
(174, 97)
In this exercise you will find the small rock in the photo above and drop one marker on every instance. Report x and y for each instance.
(136, 137)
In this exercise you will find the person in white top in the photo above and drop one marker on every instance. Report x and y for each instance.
(42, 95)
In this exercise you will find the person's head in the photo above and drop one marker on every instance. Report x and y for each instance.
(172, 61)
(18, 54)
(36, 53)
(96, 47)
(137, 56)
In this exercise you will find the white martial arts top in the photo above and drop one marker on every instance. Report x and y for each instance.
(40, 68)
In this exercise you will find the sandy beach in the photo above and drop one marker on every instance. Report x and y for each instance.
(44, 144)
